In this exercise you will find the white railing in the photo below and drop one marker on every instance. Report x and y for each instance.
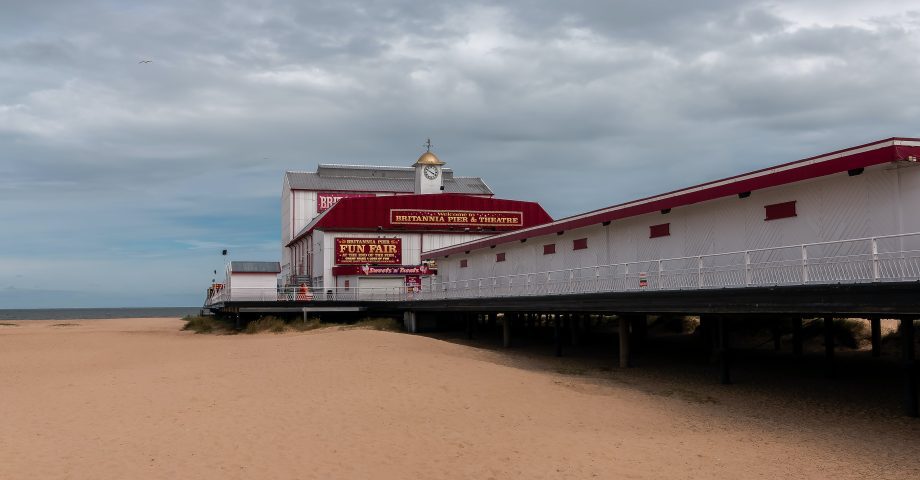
(293, 293)
(864, 260)
(893, 258)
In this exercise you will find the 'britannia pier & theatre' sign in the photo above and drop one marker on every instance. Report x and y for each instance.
(460, 218)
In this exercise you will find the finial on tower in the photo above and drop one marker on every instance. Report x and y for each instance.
(428, 158)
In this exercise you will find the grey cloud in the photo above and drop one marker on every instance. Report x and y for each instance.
(577, 105)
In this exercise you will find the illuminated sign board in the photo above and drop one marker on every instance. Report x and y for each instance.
(361, 251)
(325, 201)
(456, 218)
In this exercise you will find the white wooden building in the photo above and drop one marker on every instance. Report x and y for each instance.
(251, 281)
(373, 242)
(306, 195)
(773, 226)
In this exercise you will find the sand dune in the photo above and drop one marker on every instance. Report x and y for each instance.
(140, 399)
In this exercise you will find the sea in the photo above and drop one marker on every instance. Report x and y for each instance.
(85, 313)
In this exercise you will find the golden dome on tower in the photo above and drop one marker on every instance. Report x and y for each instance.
(429, 158)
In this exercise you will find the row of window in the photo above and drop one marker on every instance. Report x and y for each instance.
(773, 212)
(548, 249)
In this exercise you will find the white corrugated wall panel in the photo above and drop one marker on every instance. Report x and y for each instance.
(317, 266)
(909, 188)
(304, 209)
(882, 200)
(832, 208)
(434, 241)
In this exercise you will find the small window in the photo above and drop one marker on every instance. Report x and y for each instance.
(580, 244)
(464, 263)
(347, 284)
(549, 249)
(500, 257)
(663, 230)
(780, 210)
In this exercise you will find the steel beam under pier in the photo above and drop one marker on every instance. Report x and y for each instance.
(895, 299)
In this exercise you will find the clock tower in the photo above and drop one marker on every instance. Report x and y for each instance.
(428, 175)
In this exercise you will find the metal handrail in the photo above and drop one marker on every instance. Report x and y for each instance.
(785, 265)
(870, 264)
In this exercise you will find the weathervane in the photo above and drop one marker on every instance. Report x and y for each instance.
(427, 145)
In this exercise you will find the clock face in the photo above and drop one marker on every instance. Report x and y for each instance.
(431, 172)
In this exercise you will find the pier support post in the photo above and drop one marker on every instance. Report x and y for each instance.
(557, 334)
(506, 329)
(910, 367)
(409, 322)
(624, 342)
(777, 337)
(724, 353)
(797, 336)
(876, 324)
(573, 329)
(829, 346)
(470, 321)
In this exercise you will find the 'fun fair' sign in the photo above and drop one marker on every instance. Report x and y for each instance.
(361, 251)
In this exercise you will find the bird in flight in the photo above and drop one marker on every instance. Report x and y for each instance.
(145, 61)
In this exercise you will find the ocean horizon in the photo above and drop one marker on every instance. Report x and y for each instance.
(94, 313)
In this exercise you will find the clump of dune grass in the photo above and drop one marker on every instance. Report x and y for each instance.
(386, 324)
(305, 326)
(66, 325)
(205, 324)
(851, 332)
(265, 324)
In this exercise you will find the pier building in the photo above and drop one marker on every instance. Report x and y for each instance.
(349, 229)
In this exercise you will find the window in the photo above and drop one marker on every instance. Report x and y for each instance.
(464, 263)
(780, 210)
(663, 230)
(347, 283)
(500, 257)
(580, 244)
(549, 249)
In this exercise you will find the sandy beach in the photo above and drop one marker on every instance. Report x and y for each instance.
(131, 398)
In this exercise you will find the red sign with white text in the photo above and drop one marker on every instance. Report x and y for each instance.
(413, 283)
(368, 270)
(366, 251)
(459, 218)
(325, 201)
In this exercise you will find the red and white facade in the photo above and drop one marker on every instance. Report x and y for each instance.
(378, 242)
(306, 195)
(372, 236)
(872, 190)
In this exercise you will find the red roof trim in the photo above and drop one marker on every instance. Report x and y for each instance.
(888, 150)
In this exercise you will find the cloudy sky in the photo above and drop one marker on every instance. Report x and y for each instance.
(121, 181)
